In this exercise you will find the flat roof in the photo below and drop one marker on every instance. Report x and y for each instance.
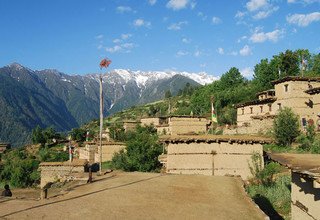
(296, 78)
(215, 138)
(256, 102)
(308, 164)
(75, 162)
(266, 91)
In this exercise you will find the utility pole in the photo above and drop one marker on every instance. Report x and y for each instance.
(104, 63)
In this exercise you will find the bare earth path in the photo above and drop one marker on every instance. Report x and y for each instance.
(142, 196)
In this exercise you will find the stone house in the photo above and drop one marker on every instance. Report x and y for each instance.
(301, 94)
(305, 183)
(176, 125)
(4, 147)
(217, 155)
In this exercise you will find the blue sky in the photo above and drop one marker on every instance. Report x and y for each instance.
(183, 35)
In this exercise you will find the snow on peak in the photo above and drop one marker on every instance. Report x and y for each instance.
(143, 77)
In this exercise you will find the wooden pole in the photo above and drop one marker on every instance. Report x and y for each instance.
(101, 125)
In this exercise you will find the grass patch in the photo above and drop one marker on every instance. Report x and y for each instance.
(106, 165)
(273, 198)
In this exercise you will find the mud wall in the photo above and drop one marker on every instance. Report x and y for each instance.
(305, 198)
(218, 159)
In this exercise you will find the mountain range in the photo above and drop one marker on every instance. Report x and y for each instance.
(51, 98)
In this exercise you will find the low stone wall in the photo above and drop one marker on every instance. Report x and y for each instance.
(108, 151)
(56, 171)
(184, 125)
(256, 126)
(209, 157)
(305, 197)
(88, 152)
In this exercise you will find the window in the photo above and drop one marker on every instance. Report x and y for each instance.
(242, 111)
(279, 104)
(251, 110)
(270, 107)
(261, 109)
(286, 87)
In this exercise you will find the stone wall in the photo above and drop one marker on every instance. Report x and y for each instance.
(56, 171)
(150, 121)
(185, 125)
(305, 197)
(88, 152)
(108, 150)
(211, 158)
(255, 126)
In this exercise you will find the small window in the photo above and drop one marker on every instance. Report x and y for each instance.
(286, 87)
(251, 110)
(279, 104)
(270, 107)
(261, 109)
(242, 111)
(304, 122)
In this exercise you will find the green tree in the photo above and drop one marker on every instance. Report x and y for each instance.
(37, 136)
(78, 134)
(117, 132)
(141, 152)
(20, 169)
(289, 63)
(286, 127)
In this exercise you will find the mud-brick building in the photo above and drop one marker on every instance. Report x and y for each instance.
(91, 151)
(305, 184)
(177, 125)
(216, 155)
(301, 94)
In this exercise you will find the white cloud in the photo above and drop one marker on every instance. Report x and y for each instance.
(113, 49)
(242, 38)
(303, 20)
(140, 23)
(202, 65)
(260, 37)
(186, 40)
(125, 36)
(245, 51)
(265, 13)
(197, 53)
(177, 26)
(123, 9)
(240, 14)
(216, 20)
(177, 4)
(254, 5)
(220, 50)
(116, 41)
(99, 37)
(152, 2)
(202, 16)
(181, 53)
(247, 72)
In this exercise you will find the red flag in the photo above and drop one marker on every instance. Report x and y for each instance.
(105, 63)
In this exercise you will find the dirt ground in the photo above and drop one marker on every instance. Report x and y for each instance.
(141, 196)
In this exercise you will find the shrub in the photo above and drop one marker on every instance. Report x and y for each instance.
(263, 176)
(20, 169)
(78, 134)
(286, 127)
(141, 153)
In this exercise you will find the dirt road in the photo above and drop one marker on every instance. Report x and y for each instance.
(142, 196)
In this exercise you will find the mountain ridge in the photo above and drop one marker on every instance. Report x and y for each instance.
(52, 98)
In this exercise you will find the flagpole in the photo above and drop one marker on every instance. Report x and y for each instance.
(104, 63)
(101, 124)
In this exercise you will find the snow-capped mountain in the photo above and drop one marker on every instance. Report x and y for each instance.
(52, 98)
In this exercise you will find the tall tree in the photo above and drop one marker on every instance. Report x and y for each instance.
(289, 63)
